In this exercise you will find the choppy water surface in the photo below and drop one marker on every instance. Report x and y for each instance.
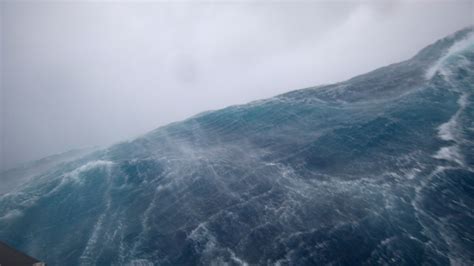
(378, 169)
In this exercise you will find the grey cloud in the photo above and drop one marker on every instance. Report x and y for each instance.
(78, 74)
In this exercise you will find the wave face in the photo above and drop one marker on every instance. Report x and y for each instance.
(378, 169)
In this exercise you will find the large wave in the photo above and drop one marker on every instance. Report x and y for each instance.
(374, 170)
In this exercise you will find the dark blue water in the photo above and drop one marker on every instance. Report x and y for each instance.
(375, 170)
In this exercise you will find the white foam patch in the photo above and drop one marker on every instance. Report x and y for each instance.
(445, 131)
(450, 131)
(412, 173)
(75, 175)
(88, 253)
(236, 259)
(454, 50)
(451, 153)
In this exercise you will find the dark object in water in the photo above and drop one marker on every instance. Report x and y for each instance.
(12, 257)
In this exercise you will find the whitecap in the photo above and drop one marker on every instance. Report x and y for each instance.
(455, 49)
(75, 174)
(450, 153)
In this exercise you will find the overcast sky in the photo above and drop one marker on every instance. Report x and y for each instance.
(85, 73)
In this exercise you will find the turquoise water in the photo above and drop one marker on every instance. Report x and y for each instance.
(375, 170)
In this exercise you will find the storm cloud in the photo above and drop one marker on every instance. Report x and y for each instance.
(79, 74)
